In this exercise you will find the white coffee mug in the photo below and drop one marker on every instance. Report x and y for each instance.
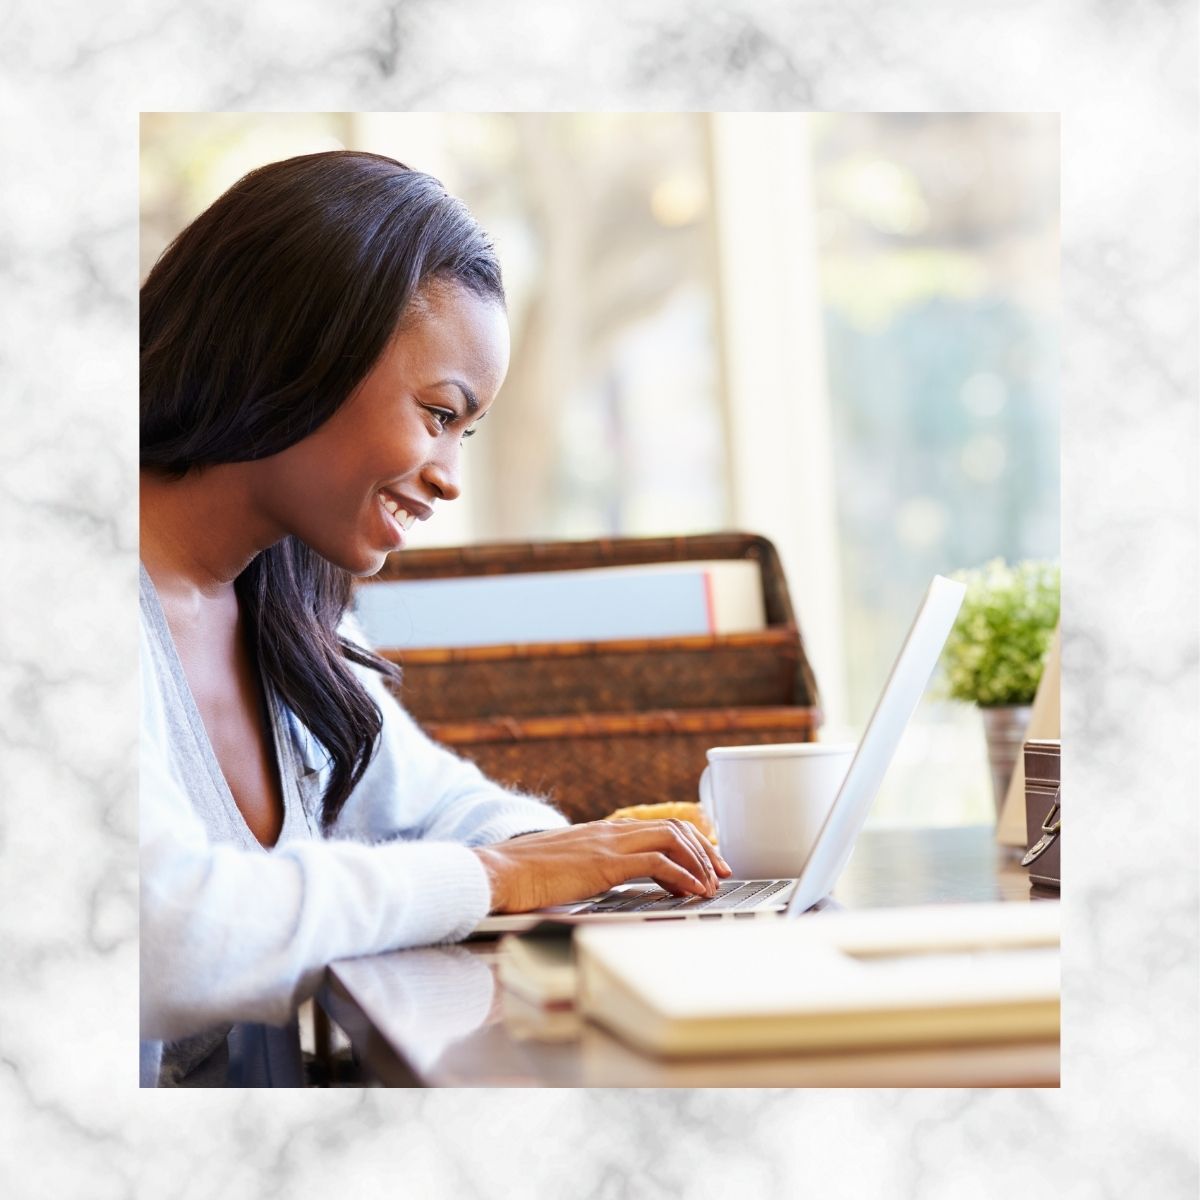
(768, 803)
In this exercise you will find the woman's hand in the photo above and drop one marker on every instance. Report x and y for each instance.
(562, 865)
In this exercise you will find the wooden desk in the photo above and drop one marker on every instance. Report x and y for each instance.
(437, 1017)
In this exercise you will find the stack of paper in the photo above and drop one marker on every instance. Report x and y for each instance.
(933, 975)
(601, 604)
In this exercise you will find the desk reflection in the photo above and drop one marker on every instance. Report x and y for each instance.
(430, 998)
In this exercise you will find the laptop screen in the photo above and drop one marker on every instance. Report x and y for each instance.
(906, 683)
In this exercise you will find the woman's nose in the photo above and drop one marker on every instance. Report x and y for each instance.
(441, 473)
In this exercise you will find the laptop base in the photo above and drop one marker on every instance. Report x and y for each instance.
(648, 902)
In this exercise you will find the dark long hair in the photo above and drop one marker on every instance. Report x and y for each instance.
(257, 323)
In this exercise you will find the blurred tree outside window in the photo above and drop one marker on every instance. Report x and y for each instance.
(610, 419)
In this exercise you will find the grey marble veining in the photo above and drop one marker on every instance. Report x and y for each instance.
(1123, 76)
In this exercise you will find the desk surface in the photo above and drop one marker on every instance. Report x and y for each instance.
(437, 1016)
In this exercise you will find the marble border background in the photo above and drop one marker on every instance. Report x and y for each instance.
(1123, 75)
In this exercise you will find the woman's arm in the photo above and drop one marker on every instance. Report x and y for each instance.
(241, 935)
(238, 935)
(415, 788)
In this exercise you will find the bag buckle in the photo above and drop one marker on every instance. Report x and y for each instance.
(1050, 831)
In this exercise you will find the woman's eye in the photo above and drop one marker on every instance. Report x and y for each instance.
(443, 416)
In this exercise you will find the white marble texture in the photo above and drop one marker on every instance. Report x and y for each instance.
(73, 79)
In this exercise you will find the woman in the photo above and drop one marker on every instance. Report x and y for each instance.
(315, 348)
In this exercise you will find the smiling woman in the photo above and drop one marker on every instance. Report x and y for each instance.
(315, 348)
(289, 337)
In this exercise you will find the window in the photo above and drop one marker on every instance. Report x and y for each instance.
(891, 285)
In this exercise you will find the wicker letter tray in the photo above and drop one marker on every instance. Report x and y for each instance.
(600, 725)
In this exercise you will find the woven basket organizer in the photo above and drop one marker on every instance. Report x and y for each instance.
(600, 725)
(589, 766)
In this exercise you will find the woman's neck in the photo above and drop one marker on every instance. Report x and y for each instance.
(199, 533)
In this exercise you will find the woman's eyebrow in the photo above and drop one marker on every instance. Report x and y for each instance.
(471, 399)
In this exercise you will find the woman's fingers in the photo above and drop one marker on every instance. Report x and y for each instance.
(723, 868)
(669, 875)
(672, 840)
(688, 832)
(699, 840)
(716, 864)
(560, 865)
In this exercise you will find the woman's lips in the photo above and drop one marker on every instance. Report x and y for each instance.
(397, 521)
(398, 513)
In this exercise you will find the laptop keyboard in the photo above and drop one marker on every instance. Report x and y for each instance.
(732, 894)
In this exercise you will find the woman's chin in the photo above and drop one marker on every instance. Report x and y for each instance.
(359, 561)
(365, 551)
(364, 565)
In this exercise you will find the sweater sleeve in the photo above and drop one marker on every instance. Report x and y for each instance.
(229, 934)
(415, 788)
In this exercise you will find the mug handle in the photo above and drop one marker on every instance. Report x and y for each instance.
(706, 796)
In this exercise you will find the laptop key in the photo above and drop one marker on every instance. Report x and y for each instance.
(740, 893)
(760, 894)
(660, 900)
(748, 895)
(626, 901)
(723, 890)
(663, 902)
(725, 898)
(730, 894)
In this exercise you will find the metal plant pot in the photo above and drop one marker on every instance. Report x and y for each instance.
(1004, 726)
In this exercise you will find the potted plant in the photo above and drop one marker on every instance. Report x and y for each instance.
(995, 652)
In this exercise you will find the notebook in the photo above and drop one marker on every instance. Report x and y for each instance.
(933, 975)
(767, 897)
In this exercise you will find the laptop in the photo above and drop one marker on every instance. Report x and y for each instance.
(749, 898)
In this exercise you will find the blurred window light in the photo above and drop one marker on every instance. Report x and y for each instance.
(984, 394)
(188, 159)
(883, 193)
(872, 288)
(921, 522)
(984, 458)
(678, 199)
(937, 241)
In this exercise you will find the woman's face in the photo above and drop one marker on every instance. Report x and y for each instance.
(353, 487)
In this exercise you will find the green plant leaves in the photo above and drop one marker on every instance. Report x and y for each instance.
(995, 651)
